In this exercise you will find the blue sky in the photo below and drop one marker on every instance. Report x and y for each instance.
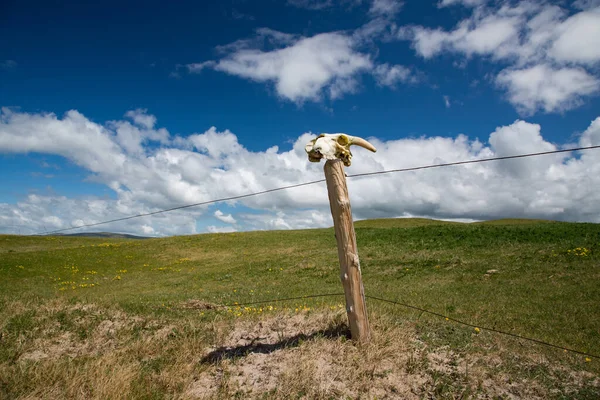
(108, 108)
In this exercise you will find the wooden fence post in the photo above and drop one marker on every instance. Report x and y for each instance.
(347, 251)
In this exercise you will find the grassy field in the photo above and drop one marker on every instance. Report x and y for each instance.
(115, 318)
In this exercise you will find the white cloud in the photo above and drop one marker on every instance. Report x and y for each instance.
(385, 7)
(227, 218)
(263, 37)
(578, 39)
(140, 117)
(545, 88)
(591, 136)
(220, 229)
(427, 42)
(325, 65)
(148, 230)
(390, 75)
(294, 219)
(466, 3)
(303, 69)
(132, 138)
(213, 164)
(379, 27)
(198, 67)
(492, 34)
(521, 138)
(38, 213)
(74, 137)
(544, 51)
(216, 144)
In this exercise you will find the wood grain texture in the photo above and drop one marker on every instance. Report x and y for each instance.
(350, 273)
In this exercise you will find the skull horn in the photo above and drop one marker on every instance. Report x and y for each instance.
(362, 143)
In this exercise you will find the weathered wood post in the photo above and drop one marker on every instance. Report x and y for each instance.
(335, 148)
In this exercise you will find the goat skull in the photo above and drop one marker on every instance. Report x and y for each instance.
(335, 146)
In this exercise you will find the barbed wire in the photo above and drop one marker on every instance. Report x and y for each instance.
(447, 318)
(542, 153)
(398, 303)
(311, 296)
(182, 207)
(318, 181)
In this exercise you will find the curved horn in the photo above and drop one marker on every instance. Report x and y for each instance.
(362, 143)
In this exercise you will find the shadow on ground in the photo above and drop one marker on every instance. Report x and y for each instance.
(256, 346)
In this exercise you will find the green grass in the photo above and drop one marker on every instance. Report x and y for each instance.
(545, 285)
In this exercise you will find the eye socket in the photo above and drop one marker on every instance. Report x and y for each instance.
(343, 140)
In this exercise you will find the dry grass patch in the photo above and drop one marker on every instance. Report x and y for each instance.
(57, 350)
(309, 356)
(60, 350)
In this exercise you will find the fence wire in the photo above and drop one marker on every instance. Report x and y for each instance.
(398, 303)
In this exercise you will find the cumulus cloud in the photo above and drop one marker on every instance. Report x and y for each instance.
(220, 229)
(485, 33)
(531, 40)
(44, 213)
(327, 65)
(74, 137)
(306, 68)
(213, 164)
(591, 136)
(227, 218)
(140, 117)
(547, 88)
(578, 39)
(313, 68)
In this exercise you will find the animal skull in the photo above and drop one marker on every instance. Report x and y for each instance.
(332, 146)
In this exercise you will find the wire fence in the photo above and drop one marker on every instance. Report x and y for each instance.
(420, 309)
(376, 298)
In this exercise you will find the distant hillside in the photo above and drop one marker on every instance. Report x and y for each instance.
(400, 223)
(105, 235)
(384, 223)
(515, 221)
(414, 222)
